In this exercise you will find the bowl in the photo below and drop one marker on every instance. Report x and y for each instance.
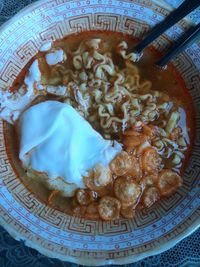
(48, 230)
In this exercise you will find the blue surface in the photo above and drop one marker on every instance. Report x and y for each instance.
(14, 253)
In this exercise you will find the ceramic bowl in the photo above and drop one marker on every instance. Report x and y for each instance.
(50, 231)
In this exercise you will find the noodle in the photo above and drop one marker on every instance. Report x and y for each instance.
(100, 79)
(96, 73)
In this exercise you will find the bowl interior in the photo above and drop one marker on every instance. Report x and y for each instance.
(48, 230)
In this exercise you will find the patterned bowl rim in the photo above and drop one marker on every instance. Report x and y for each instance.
(86, 261)
(99, 262)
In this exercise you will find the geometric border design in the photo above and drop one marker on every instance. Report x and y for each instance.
(51, 231)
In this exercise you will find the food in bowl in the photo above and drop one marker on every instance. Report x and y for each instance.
(108, 134)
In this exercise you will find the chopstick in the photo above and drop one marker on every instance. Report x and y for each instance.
(184, 9)
(191, 35)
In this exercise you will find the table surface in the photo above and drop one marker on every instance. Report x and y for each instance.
(14, 253)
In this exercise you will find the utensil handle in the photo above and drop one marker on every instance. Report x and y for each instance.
(184, 9)
(191, 35)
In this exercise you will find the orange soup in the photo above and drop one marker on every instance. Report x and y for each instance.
(146, 109)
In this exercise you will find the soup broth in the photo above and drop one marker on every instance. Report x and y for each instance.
(146, 109)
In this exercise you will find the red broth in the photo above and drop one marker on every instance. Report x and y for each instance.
(168, 81)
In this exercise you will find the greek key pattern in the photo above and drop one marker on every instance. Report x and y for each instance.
(54, 232)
